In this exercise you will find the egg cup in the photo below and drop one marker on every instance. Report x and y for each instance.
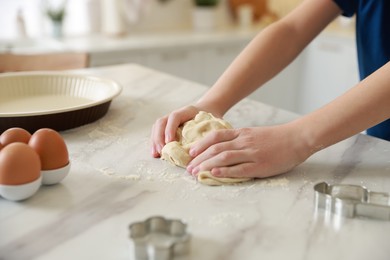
(50, 177)
(21, 191)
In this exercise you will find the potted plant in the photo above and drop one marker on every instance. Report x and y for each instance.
(206, 2)
(204, 14)
(56, 16)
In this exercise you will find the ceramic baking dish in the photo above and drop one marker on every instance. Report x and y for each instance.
(60, 101)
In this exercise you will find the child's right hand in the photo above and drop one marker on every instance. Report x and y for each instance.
(164, 129)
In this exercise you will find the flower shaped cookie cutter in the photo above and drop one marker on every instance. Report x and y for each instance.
(159, 238)
(352, 201)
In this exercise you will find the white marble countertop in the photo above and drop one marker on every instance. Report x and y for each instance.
(114, 182)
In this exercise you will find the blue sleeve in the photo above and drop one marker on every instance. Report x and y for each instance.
(348, 7)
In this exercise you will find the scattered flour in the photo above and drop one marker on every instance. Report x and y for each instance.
(96, 133)
(143, 170)
(225, 219)
(275, 182)
(152, 172)
(111, 173)
(107, 171)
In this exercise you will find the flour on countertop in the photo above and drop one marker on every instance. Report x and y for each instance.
(275, 182)
(96, 133)
(144, 170)
(111, 173)
(225, 218)
(156, 172)
(107, 171)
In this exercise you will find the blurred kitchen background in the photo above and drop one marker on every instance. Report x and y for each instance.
(191, 39)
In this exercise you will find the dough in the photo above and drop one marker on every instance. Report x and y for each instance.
(176, 152)
(206, 177)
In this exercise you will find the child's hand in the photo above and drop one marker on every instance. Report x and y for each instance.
(249, 152)
(164, 129)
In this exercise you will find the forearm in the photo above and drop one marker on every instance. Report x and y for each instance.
(268, 53)
(264, 57)
(363, 106)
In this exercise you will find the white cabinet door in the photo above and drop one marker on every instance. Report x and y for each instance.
(330, 68)
(216, 59)
(181, 62)
(106, 58)
(326, 69)
(283, 90)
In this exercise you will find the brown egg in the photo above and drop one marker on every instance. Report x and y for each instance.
(50, 147)
(13, 135)
(19, 164)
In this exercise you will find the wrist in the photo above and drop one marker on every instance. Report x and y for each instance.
(306, 144)
(210, 107)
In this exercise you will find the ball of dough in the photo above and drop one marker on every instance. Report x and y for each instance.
(176, 152)
(201, 125)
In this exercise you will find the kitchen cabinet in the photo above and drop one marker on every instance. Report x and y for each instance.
(329, 69)
(105, 58)
(183, 62)
(323, 71)
(202, 63)
(284, 89)
(216, 59)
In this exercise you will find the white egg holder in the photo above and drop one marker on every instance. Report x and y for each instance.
(25, 191)
(50, 177)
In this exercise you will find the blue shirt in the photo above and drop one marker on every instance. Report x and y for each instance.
(372, 41)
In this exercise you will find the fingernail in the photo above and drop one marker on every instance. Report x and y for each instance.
(195, 170)
(159, 148)
(215, 173)
(189, 168)
(191, 153)
(167, 138)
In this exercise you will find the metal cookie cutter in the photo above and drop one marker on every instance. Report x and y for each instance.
(352, 201)
(159, 238)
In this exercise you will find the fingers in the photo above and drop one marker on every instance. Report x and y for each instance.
(164, 129)
(214, 138)
(231, 153)
(224, 150)
(175, 119)
(243, 170)
(218, 149)
(247, 152)
(158, 137)
(223, 159)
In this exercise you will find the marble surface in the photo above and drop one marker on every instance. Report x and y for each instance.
(114, 182)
